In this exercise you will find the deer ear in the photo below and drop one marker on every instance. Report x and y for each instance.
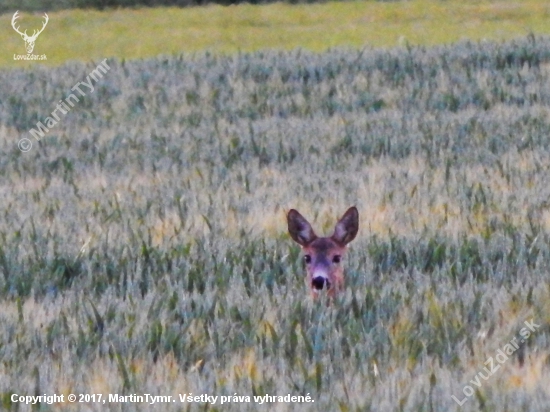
(299, 228)
(347, 227)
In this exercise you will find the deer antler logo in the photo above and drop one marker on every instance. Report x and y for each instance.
(29, 40)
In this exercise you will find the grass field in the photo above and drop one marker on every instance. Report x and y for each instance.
(92, 35)
(143, 244)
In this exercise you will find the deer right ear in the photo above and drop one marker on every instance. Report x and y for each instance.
(347, 227)
(299, 228)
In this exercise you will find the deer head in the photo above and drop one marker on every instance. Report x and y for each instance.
(323, 255)
(29, 40)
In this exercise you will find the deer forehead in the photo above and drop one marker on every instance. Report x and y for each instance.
(323, 247)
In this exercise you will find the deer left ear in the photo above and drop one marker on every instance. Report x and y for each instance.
(299, 228)
(347, 227)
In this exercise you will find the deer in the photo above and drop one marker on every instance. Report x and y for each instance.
(323, 255)
(29, 40)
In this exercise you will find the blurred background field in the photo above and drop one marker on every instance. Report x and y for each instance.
(147, 32)
(143, 244)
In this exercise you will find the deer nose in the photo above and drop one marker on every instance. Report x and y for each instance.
(319, 283)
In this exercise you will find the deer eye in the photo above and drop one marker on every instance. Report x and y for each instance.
(307, 259)
(336, 259)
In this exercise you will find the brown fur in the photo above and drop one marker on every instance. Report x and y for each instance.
(324, 255)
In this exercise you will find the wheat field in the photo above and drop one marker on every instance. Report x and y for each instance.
(143, 243)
